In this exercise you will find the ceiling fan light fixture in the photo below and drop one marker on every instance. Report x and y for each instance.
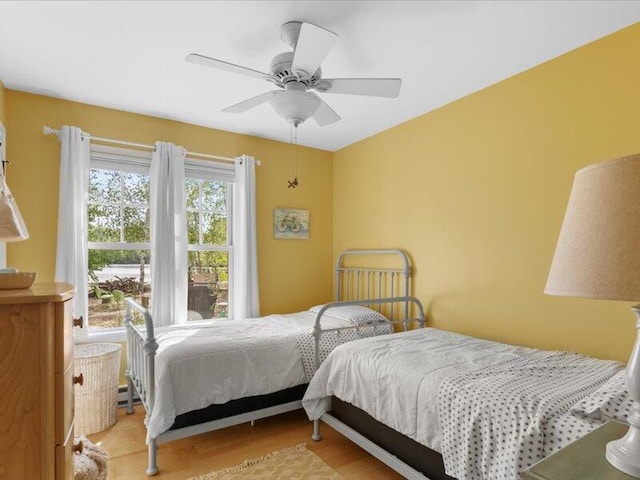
(294, 106)
(298, 71)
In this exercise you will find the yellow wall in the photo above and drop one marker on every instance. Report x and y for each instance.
(476, 192)
(294, 274)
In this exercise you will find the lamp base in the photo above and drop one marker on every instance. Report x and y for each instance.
(624, 454)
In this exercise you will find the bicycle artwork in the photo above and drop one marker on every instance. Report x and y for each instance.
(291, 223)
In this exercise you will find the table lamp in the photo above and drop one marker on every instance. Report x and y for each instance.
(598, 256)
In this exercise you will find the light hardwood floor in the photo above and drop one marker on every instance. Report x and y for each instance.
(181, 459)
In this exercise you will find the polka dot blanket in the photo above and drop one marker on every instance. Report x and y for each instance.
(501, 419)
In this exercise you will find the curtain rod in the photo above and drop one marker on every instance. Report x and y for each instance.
(51, 131)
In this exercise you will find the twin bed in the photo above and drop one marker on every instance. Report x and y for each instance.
(437, 405)
(430, 404)
(202, 376)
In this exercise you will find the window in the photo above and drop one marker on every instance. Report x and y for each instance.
(209, 247)
(119, 235)
(119, 244)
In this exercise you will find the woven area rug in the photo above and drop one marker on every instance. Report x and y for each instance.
(291, 463)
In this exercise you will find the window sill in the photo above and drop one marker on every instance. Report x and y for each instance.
(98, 336)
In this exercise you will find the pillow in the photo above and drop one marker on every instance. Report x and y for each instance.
(610, 401)
(355, 314)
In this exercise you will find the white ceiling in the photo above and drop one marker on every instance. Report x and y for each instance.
(130, 55)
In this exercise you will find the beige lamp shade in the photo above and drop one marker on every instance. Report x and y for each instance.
(598, 251)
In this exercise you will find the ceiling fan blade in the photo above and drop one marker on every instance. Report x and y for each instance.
(313, 45)
(250, 103)
(222, 65)
(324, 114)
(373, 87)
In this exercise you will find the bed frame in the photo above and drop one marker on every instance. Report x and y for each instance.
(401, 453)
(385, 289)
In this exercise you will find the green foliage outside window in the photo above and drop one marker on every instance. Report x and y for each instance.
(118, 211)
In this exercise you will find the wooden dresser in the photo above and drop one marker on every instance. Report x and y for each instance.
(36, 382)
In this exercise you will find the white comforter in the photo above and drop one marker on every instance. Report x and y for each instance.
(221, 360)
(447, 391)
(398, 382)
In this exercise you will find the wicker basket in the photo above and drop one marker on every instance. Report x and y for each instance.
(97, 399)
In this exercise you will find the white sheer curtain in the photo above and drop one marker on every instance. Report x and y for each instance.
(245, 300)
(71, 254)
(168, 235)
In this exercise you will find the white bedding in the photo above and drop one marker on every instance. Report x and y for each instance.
(398, 382)
(500, 420)
(396, 379)
(221, 360)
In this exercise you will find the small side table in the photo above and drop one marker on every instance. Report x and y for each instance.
(583, 459)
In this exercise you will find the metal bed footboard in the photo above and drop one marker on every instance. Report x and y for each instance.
(140, 371)
(404, 322)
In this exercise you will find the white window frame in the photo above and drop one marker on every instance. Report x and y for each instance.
(139, 161)
(200, 247)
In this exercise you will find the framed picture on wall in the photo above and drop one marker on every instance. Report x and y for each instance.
(291, 223)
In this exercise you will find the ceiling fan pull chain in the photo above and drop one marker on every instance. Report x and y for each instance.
(293, 139)
(295, 130)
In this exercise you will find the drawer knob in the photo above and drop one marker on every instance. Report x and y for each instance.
(77, 322)
(78, 447)
(78, 379)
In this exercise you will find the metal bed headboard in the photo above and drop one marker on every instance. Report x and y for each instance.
(391, 279)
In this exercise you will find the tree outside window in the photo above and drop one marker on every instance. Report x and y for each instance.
(119, 245)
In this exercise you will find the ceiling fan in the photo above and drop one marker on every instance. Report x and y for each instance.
(297, 72)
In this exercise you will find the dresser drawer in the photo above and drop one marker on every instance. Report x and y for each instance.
(65, 404)
(64, 335)
(64, 459)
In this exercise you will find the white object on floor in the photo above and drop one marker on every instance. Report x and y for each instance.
(97, 397)
(91, 462)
